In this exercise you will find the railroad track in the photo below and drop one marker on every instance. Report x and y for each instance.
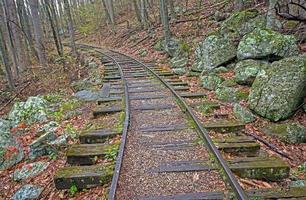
(165, 151)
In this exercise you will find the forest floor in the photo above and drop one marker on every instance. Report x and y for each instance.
(190, 27)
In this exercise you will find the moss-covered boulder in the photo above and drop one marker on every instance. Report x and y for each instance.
(278, 91)
(231, 94)
(247, 70)
(28, 192)
(179, 61)
(211, 81)
(35, 109)
(29, 170)
(290, 133)
(10, 151)
(214, 51)
(268, 44)
(179, 71)
(241, 23)
(243, 114)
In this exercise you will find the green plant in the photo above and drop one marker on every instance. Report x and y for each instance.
(73, 189)
(69, 129)
(53, 156)
(111, 151)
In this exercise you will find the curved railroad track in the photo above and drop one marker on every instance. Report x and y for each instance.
(165, 151)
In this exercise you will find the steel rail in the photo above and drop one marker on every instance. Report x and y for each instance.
(240, 194)
(119, 159)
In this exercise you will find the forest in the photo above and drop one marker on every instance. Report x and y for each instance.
(153, 99)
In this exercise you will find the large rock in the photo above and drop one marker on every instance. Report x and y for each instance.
(40, 146)
(179, 71)
(86, 95)
(29, 170)
(243, 114)
(231, 94)
(179, 61)
(213, 52)
(267, 44)
(35, 109)
(247, 70)
(241, 23)
(28, 192)
(291, 133)
(278, 91)
(10, 151)
(211, 81)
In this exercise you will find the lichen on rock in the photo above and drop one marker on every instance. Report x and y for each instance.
(35, 109)
(247, 70)
(213, 52)
(290, 133)
(211, 81)
(267, 44)
(278, 91)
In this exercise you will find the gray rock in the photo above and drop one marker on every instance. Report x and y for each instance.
(266, 43)
(230, 94)
(40, 146)
(51, 126)
(247, 70)
(241, 23)
(278, 91)
(298, 183)
(243, 114)
(179, 61)
(290, 133)
(213, 52)
(173, 47)
(179, 71)
(92, 65)
(221, 69)
(60, 141)
(272, 18)
(33, 110)
(228, 83)
(211, 81)
(29, 170)
(10, 151)
(86, 95)
(28, 192)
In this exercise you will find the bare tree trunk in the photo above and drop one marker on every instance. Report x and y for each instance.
(54, 29)
(37, 32)
(16, 34)
(8, 35)
(171, 7)
(70, 27)
(5, 60)
(137, 11)
(165, 20)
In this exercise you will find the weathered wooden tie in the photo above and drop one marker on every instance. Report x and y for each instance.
(106, 110)
(85, 154)
(97, 136)
(83, 177)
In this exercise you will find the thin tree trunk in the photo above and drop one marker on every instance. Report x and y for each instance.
(16, 34)
(37, 32)
(5, 60)
(54, 30)
(165, 20)
(70, 27)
